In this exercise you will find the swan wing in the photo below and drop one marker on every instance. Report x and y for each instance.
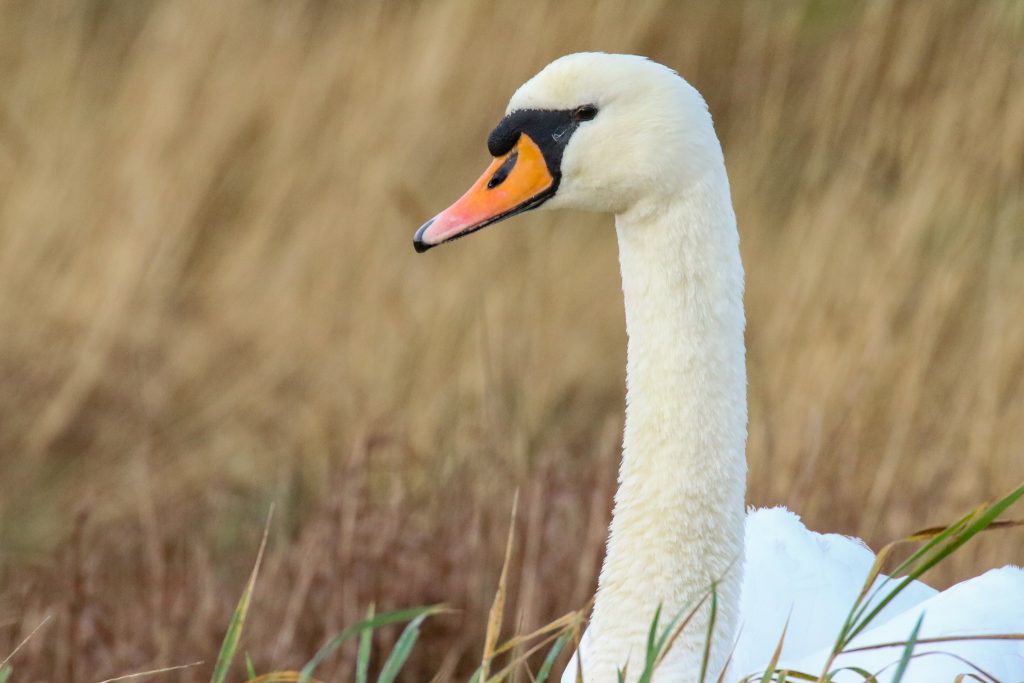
(990, 604)
(810, 580)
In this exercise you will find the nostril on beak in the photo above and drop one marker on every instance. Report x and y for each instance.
(502, 173)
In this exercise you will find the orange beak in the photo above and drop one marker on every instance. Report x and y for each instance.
(516, 182)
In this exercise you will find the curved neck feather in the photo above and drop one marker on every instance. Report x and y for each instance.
(677, 524)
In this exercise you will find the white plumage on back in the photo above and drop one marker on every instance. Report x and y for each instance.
(808, 578)
(805, 583)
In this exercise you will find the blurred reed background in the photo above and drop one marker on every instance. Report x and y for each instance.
(209, 301)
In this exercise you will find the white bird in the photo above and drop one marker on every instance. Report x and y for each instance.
(620, 134)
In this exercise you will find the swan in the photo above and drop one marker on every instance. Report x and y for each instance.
(624, 135)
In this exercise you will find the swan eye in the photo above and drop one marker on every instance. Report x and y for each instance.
(585, 113)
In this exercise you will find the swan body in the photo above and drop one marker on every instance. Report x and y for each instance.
(812, 580)
(622, 135)
(804, 583)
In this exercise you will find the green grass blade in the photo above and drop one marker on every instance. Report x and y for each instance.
(250, 670)
(675, 628)
(933, 538)
(385, 619)
(549, 660)
(229, 645)
(651, 651)
(801, 676)
(670, 630)
(774, 662)
(400, 654)
(363, 656)
(868, 676)
(984, 517)
(710, 633)
(520, 659)
(5, 673)
(863, 673)
(937, 536)
(908, 651)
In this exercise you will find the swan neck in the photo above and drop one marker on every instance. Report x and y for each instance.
(677, 524)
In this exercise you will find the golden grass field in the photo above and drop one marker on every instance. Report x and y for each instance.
(209, 302)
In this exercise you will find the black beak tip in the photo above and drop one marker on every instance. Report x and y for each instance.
(417, 241)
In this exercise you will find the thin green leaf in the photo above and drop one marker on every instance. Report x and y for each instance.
(676, 629)
(508, 669)
(363, 656)
(250, 670)
(668, 636)
(651, 653)
(385, 619)
(908, 651)
(5, 673)
(866, 675)
(710, 633)
(518, 664)
(400, 654)
(866, 594)
(802, 676)
(234, 633)
(774, 662)
(933, 537)
(549, 660)
(975, 524)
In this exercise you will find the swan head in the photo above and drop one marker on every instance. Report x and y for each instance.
(592, 131)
